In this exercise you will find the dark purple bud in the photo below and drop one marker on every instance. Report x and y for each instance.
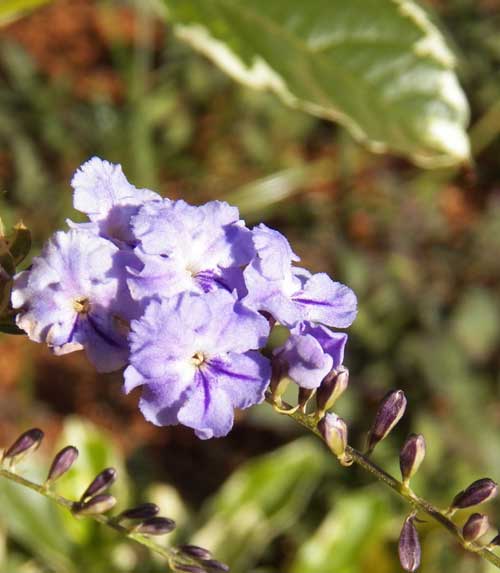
(305, 394)
(100, 483)
(215, 565)
(478, 492)
(334, 432)
(475, 527)
(411, 456)
(331, 388)
(156, 526)
(62, 463)
(27, 442)
(143, 511)
(95, 505)
(390, 411)
(190, 568)
(409, 546)
(195, 551)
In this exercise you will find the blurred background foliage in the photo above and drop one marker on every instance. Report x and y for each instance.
(421, 249)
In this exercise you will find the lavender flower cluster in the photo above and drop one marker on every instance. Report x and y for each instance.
(181, 296)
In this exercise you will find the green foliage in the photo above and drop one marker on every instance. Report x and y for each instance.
(260, 501)
(346, 539)
(379, 67)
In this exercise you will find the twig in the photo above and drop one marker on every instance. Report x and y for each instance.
(310, 422)
(169, 554)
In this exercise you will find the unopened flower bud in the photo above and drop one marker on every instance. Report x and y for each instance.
(478, 492)
(334, 432)
(143, 511)
(190, 568)
(215, 565)
(62, 463)
(100, 483)
(475, 527)
(279, 381)
(26, 443)
(390, 411)
(196, 552)
(156, 526)
(331, 388)
(305, 394)
(409, 548)
(411, 456)
(95, 505)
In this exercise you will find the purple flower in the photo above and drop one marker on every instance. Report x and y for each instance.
(102, 192)
(195, 355)
(186, 248)
(291, 294)
(310, 353)
(74, 297)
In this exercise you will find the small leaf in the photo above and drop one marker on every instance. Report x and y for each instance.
(378, 67)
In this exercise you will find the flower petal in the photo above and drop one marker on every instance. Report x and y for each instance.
(328, 302)
(102, 191)
(307, 363)
(243, 377)
(208, 409)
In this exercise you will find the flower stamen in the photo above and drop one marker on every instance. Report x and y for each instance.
(198, 358)
(81, 305)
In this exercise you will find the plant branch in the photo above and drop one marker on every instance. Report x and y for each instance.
(309, 421)
(169, 554)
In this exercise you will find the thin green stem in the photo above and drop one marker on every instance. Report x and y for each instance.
(310, 422)
(169, 554)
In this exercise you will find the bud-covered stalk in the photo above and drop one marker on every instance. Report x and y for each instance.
(100, 483)
(475, 527)
(331, 388)
(156, 526)
(390, 411)
(334, 432)
(478, 492)
(143, 511)
(409, 548)
(25, 444)
(305, 394)
(96, 505)
(411, 456)
(62, 463)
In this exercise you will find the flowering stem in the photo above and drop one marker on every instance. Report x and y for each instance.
(309, 421)
(169, 554)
